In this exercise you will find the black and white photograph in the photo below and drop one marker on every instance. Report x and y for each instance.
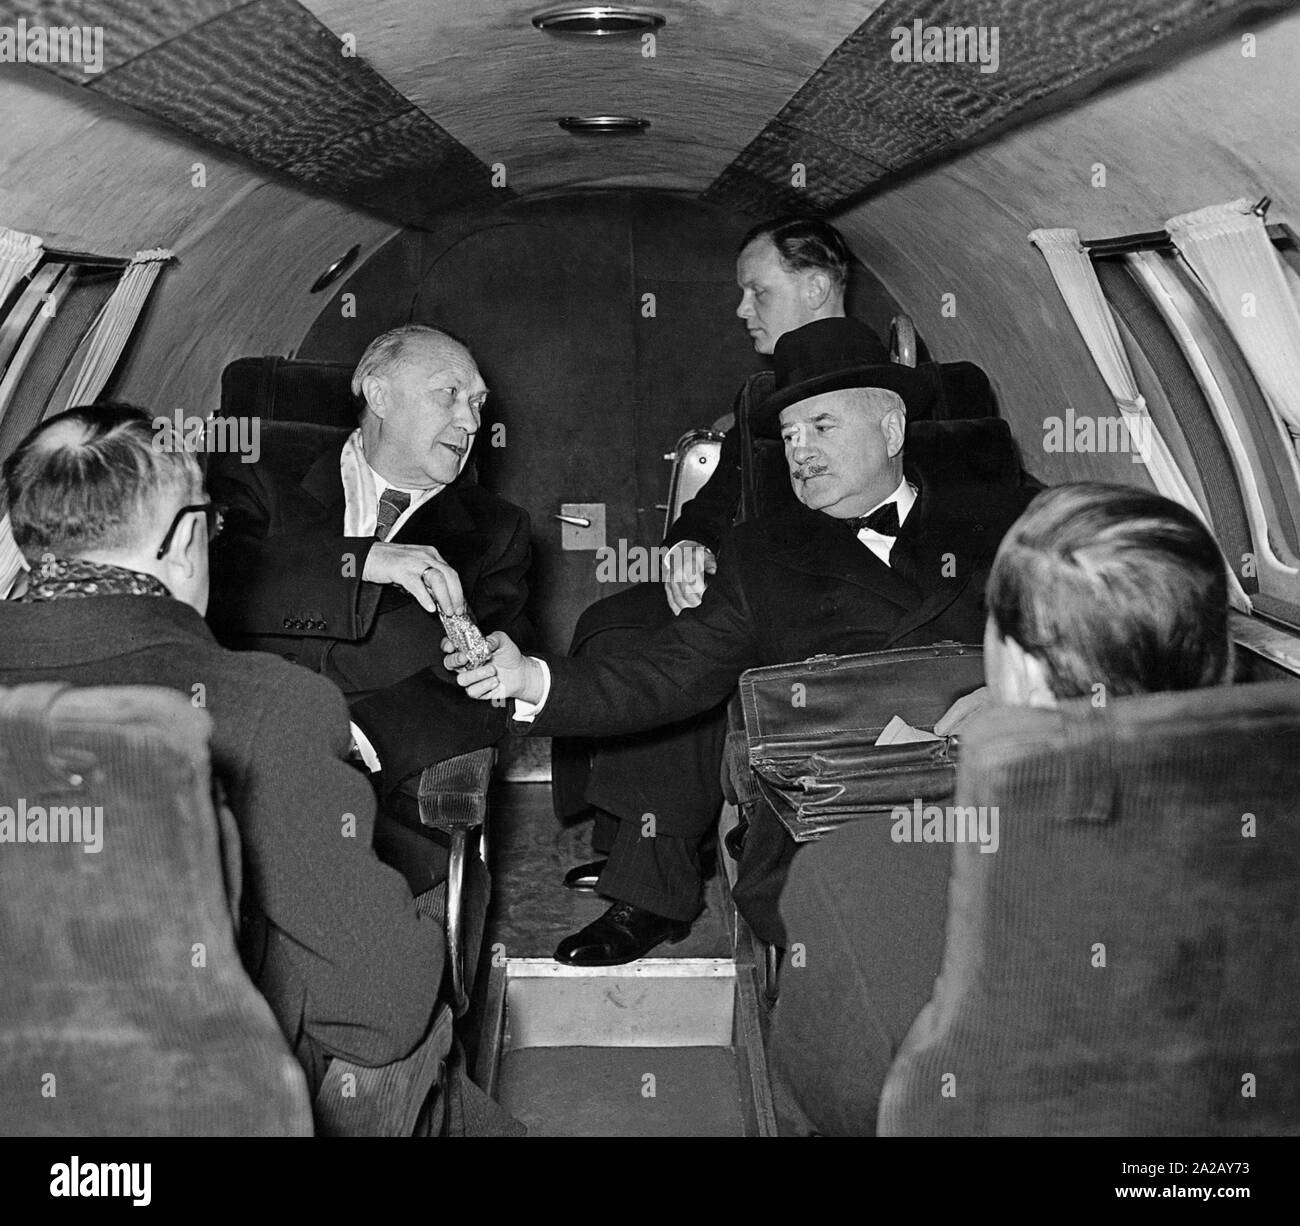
(707, 569)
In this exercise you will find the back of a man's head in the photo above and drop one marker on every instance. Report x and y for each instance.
(1113, 586)
(806, 243)
(96, 481)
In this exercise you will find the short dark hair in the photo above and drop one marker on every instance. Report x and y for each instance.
(95, 478)
(1114, 585)
(806, 242)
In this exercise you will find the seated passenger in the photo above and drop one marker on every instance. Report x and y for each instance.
(871, 555)
(116, 532)
(1093, 585)
(339, 547)
(791, 271)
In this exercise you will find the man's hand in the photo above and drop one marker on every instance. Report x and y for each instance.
(963, 710)
(508, 674)
(421, 570)
(689, 563)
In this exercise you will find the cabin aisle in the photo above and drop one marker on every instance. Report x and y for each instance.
(531, 911)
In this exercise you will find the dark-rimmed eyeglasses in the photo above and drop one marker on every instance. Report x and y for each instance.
(209, 509)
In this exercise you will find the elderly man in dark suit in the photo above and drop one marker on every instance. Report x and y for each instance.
(873, 555)
(116, 529)
(340, 547)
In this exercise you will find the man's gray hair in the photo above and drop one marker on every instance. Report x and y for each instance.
(387, 351)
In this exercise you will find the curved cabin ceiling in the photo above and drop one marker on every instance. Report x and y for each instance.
(739, 95)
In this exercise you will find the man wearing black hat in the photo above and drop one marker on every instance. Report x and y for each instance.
(871, 555)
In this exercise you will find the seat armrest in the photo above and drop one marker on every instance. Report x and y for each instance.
(453, 793)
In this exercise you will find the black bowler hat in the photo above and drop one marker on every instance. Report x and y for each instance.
(829, 355)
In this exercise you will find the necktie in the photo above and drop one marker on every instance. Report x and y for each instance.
(883, 519)
(391, 505)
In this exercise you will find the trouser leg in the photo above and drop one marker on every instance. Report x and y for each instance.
(403, 842)
(665, 790)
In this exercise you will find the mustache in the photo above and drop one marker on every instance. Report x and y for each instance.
(803, 471)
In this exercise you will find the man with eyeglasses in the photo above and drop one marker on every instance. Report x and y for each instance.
(340, 547)
(116, 530)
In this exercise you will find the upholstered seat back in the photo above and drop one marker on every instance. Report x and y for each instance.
(1127, 962)
(125, 1010)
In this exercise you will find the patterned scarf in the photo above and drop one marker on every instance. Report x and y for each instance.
(54, 578)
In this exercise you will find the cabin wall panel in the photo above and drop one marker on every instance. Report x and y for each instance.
(1213, 127)
(592, 394)
(90, 175)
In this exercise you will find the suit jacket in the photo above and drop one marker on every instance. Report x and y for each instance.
(329, 934)
(286, 579)
(788, 586)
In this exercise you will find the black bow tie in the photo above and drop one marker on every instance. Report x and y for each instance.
(883, 519)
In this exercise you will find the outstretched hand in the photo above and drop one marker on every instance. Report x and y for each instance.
(508, 674)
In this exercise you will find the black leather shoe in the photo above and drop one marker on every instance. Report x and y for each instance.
(623, 934)
(584, 877)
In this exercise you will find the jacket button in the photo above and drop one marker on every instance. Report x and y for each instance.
(321, 626)
(288, 624)
(829, 607)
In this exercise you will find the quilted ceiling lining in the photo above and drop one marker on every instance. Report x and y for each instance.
(266, 80)
(862, 117)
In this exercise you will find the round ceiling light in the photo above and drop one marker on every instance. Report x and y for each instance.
(603, 123)
(594, 21)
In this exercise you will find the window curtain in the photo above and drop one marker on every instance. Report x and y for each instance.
(1072, 270)
(1228, 248)
(110, 332)
(19, 254)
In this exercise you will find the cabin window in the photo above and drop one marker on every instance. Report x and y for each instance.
(43, 324)
(1206, 401)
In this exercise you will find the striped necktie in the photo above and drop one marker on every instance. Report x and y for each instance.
(391, 505)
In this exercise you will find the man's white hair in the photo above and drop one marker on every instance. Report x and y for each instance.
(386, 352)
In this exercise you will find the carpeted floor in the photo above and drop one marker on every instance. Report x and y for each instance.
(531, 911)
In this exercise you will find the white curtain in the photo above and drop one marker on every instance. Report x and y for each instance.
(19, 254)
(108, 336)
(1071, 268)
(1228, 248)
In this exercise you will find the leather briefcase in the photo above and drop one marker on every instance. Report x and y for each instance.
(811, 727)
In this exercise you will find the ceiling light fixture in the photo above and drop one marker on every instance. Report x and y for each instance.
(603, 124)
(595, 21)
(335, 270)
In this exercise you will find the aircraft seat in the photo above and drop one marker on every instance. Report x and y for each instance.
(126, 1010)
(1128, 961)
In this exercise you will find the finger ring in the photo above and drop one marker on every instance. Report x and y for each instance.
(424, 572)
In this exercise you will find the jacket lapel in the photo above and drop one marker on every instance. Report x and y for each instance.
(947, 546)
(324, 480)
(815, 544)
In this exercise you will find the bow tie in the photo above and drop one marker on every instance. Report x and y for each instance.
(883, 519)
